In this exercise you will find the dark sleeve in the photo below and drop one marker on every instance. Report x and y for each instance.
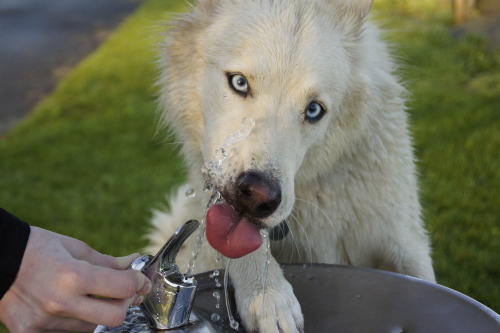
(14, 235)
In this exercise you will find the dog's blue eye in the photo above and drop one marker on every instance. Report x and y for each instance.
(314, 112)
(239, 83)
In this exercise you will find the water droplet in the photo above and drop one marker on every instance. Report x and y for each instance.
(214, 273)
(191, 193)
(216, 294)
(215, 317)
(220, 154)
(218, 258)
(234, 324)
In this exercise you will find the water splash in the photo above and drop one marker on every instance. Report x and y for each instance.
(216, 294)
(208, 175)
(265, 235)
(201, 235)
(211, 171)
(215, 275)
(191, 193)
(187, 279)
(242, 133)
(232, 322)
(220, 156)
(216, 272)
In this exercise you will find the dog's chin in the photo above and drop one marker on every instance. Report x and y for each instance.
(269, 222)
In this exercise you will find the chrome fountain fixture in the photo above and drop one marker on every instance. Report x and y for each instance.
(168, 306)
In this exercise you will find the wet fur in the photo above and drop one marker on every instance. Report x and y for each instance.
(348, 182)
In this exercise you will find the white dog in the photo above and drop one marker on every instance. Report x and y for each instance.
(324, 159)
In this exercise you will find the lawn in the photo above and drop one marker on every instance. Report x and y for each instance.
(88, 162)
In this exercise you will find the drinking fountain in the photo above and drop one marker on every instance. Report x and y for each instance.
(334, 298)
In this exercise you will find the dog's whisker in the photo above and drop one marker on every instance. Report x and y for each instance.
(308, 242)
(282, 247)
(319, 208)
(306, 237)
(294, 242)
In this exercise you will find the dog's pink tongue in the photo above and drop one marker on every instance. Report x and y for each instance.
(230, 233)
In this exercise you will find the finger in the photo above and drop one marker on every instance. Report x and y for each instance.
(119, 284)
(107, 312)
(138, 299)
(70, 325)
(82, 251)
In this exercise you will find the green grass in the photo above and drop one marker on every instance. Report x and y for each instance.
(455, 110)
(87, 163)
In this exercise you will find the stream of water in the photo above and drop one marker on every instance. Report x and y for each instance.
(212, 175)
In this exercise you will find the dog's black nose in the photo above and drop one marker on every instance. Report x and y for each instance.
(257, 195)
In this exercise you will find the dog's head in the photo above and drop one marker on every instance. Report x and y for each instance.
(290, 69)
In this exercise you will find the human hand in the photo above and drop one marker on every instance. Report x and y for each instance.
(57, 285)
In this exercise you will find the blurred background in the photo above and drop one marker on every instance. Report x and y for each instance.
(80, 153)
(41, 41)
